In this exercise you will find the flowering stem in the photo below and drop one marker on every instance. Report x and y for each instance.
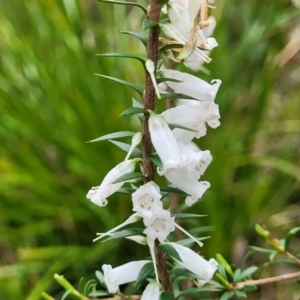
(149, 103)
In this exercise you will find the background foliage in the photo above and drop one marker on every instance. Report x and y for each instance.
(51, 104)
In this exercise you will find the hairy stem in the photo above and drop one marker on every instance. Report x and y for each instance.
(149, 103)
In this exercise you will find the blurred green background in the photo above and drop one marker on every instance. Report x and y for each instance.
(51, 103)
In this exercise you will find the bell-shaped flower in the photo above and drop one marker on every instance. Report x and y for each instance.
(146, 200)
(126, 273)
(181, 179)
(159, 226)
(192, 86)
(108, 187)
(152, 291)
(199, 160)
(195, 263)
(164, 143)
(191, 26)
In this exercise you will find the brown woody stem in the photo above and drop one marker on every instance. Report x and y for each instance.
(149, 103)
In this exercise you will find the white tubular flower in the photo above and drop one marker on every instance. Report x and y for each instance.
(146, 200)
(192, 86)
(123, 274)
(151, 292)
(159, 226)
(164, 143)
(107, 186)
(181, 179)
(195, 263)
(199, 160)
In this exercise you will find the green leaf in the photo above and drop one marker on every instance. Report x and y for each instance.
(168, 96)
(136, 103)
(125, 233)
(258, 249)
(114, 135)
(100, 277)
(172, 126)
(129, 176)
(125, 3)
(100, 294)
(171, 46)
(66, 294)
(215, 283)
(183, 272)
(250, 288)
(222, 271)
(155, 159)
(168, 249)
(127, 83)
(289, 236)
(136, 153)
(247, 273)
(184, 216)
(147, 24)
(236, 275)
(143, 38)
(133, 111)
(166, 296)
(227, 295)
(162, 2)
(240, 294)
(163, 79)
(125, 191)
(145, 272)
(170, 189)
(123, 55)
(273, 255)
(189, 241)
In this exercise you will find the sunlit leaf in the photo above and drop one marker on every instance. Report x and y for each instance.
(143, 38)
(136, 153)
(129, 176)
(114, 135)
(127, 83)
(122, 55)
(133, 111)
(125, 3)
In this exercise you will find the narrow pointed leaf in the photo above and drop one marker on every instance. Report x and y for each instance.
(125, 233)
(240, 294)
(136, 153)
(115, 135)
(143, 38)
(100, 277)
(147, 24)
(171, 46)
(248, 272)
(227, 295)
(125, 3)
(168, 96)
(198, 290)
(122, 55)
(136, 103)
(127, 83)
(129, 176)
(289, 236)
(184, 272)
(155, 159)
(166, 296)
(144, 273)
(170, 189)
(133, 111)
(163, 79)
(171, 251)
(172, 126)
(125, 191)
(184, 216)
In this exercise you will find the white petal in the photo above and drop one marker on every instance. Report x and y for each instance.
(151, 292)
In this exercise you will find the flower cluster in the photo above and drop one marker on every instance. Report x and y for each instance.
(178, 159)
